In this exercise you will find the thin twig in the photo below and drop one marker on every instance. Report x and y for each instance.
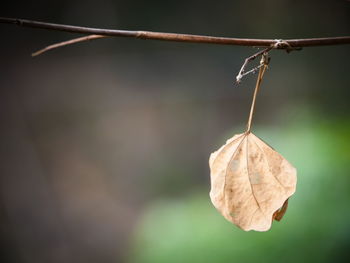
(242, 72)
(179, 37)
(253, 70)
(69, 42)
(279, 44)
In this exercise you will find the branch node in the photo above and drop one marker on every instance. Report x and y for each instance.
(283, 44)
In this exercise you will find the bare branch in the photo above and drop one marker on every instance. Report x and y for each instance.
(181, 37)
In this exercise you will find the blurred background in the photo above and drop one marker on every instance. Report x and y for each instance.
(105, 144)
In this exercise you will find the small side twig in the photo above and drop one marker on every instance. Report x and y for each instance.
(253, 71)
(242, 72)
(279, 44)
(66, 43)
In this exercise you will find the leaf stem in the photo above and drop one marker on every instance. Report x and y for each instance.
(264, 62)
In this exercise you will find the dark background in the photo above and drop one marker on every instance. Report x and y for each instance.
(105, 144)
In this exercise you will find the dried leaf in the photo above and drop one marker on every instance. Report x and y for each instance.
(250, 182)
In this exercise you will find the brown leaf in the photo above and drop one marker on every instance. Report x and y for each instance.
(250, 182)
(278, 215)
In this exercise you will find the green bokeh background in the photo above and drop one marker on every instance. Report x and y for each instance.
(315, 228)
